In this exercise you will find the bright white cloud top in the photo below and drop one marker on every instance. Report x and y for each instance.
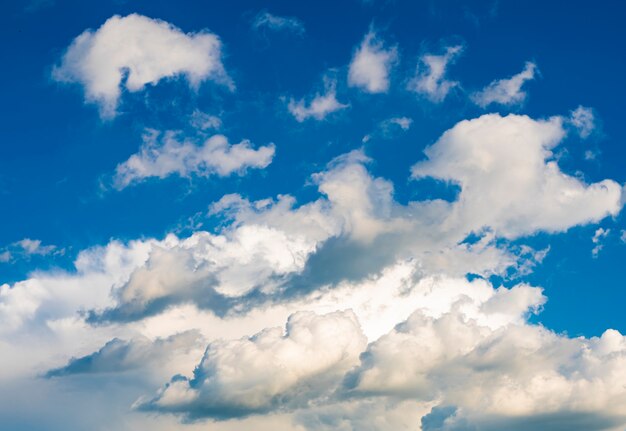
(134, 51)
(351, 306)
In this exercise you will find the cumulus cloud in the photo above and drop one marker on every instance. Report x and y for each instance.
(430, 77)
(505, 165)
(511, 374)
(271, 249)
(466, 355)
(371, 65)
(266, 20)
(134, 51)
(274, 367)
(386, 331)
(320, 106)
(584, 121)
(162, 155)
(507, 91)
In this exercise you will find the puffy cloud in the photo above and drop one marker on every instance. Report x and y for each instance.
(430, 78)
(134, 51)
(371, 64)
(266, 20)
(509, 375)
(444, 351)
(508, 180)
(506, 92)
(320, 106)
(263, 372)
(466, 355)
(584, 121)
(170, 155)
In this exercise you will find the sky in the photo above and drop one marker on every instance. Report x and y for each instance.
(352, 215)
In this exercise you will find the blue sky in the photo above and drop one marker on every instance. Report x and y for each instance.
(240, 104)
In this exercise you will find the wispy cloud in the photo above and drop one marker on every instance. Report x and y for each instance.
(371, 65)
(507, 92)
(319, 106)
(266, 20)
(430, 78)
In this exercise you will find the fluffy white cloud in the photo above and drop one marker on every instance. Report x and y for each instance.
(371, 65)
(430, 78)
(442, 350)
(133, 51)
(508, 179)
(266, 20)
(584, 121)
(162, 155)
(466, 351)
(267, 370)
(319, 106)
(506, 92)
(512, 373)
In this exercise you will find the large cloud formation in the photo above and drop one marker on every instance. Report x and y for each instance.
(134, 51)
(351, 311)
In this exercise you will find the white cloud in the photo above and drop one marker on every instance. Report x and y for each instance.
(371, 65)
(598, 238)
(513, 372)
(584, 121)
(506, 92)
(274, 367)
(508, 180)
(320, 106)
(386, 332)
(430, 78)
(134, 51)
(162, 155)
(277, 23)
